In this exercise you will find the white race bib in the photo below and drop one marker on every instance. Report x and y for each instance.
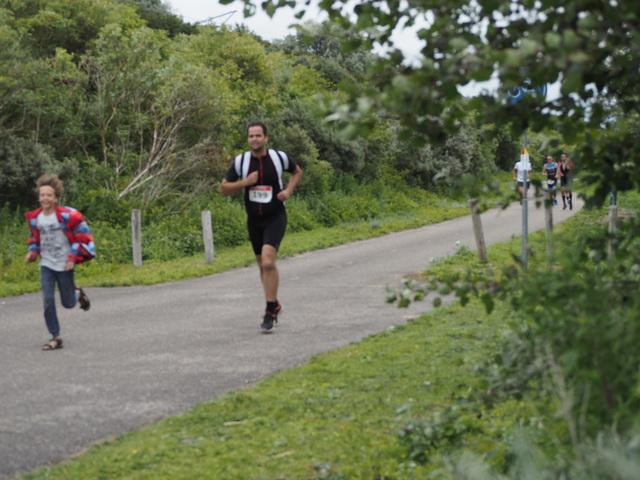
(261, 193)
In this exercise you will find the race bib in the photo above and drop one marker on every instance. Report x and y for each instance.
(261, 194)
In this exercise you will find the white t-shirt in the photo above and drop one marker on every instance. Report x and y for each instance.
(520, 171)
(54, 244)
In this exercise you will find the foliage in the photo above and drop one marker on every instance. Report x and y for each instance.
(589, 50)
(424, 435)
(172, 233)
(158, 16)
(70, 25)
(152, 109)
(325, 47)
(20, 160)
(569, 312)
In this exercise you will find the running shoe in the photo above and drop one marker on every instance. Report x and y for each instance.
(83, 300)
(269, 320)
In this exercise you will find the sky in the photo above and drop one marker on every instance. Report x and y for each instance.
(268, 28)
(211, 11)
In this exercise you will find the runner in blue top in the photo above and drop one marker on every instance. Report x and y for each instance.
(550, 170)
(259, 173)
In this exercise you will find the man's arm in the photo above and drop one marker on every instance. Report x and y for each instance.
(229, 188)
(296, 176)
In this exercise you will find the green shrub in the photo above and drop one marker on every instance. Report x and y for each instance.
(301, 218)
(229, 221)
(113, 242)
(421, 436)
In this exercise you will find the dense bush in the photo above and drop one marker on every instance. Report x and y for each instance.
(569, 321)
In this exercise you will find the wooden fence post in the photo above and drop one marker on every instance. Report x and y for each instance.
(136, 232)
(613, 228)
(207, 236)
(477, 230)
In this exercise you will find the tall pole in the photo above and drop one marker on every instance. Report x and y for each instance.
(525, 165)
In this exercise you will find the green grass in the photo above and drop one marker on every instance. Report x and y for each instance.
(336, 416)
(19, 278)
(340, 415)
(359, 412)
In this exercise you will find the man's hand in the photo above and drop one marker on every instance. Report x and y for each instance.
(252, 178)
(284, 195)
(69, 265)
(31, 257)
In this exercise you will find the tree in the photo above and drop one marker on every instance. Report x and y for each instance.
(591, 49)
(22, 161)
(68, 24)
(158, 15)
(156, 115)
(324, 47)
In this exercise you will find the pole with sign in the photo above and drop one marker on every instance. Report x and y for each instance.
(525, 168)
(515, 95)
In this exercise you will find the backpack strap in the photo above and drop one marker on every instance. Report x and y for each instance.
(241, 164)
(280, 161)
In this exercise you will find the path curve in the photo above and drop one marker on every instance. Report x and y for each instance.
(144, 353)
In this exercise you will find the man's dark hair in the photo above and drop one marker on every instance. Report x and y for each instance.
(258, 123)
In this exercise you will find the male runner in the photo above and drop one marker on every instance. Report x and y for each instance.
(519, 175)
(550, 170)
(259, 173)
(566, 181)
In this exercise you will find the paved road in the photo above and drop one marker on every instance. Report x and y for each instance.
(144, 353)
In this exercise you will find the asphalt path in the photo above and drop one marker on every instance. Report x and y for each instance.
(144, 353)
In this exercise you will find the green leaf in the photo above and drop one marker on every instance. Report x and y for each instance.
(553, 40)
(572, 83)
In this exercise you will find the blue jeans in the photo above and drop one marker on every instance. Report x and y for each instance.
(68, 297)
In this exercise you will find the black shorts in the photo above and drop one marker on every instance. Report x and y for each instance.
(267, 230)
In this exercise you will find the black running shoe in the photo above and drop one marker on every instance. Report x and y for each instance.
(83, 300)
(269, 320)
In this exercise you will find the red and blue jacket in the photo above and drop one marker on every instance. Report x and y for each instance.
(73, 226)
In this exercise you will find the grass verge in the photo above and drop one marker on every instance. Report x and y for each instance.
(97, 273)
(398, 405)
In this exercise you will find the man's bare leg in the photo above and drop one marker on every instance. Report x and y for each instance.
(270, 278)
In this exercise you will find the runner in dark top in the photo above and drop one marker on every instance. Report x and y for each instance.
(259, 173)
(566, 181)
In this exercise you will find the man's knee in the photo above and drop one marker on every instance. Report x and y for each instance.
(268, 258)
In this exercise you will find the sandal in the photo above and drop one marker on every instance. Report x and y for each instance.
(83, 300)
(54, 344)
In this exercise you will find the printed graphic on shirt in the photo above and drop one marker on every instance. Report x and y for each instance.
(54, 245)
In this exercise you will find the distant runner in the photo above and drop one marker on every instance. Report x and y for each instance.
(518, 176)
(566, 181)
(550, 170)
